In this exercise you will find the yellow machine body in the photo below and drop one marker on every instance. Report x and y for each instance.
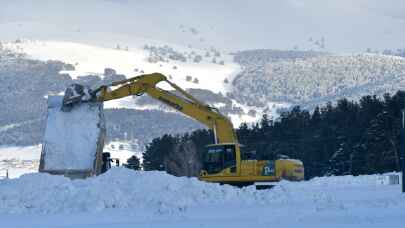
(250, 171)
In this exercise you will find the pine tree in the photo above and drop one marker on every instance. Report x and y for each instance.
(153, 157)
(340, 163)
(382, 154)
(358, 159)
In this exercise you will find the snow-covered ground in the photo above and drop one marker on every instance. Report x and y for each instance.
(123, 150)
(21, 153)
(19, 160)
(125, 198)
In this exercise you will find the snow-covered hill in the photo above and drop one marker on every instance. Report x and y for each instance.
(132, 61)
(307, 79)
(22, 121)
(208, 70)
(190, 68)
(125, 198)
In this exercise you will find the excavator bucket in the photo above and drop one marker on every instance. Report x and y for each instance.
(73, 141)
(74, 95)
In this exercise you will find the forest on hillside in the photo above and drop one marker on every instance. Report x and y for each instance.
(309, 79)
(347, 137)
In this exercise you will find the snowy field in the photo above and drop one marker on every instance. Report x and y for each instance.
(123, 151)
(21, 160)
(125, 198)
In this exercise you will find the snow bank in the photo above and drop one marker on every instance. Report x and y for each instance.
(157, 192)
(118, 188)
(71, 139)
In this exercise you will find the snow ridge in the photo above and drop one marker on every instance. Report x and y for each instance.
(118, 188)
(351, 199)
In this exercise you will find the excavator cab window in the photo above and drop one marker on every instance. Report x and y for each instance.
(229, 156)
(219, 157)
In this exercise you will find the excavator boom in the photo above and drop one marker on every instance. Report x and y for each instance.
(188, 105)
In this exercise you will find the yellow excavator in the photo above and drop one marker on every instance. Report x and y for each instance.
(224, 161)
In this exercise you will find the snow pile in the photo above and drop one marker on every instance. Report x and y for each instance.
(118, 188)
(157, 192)
(71, 139)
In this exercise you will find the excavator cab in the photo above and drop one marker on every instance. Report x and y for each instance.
(220, 158)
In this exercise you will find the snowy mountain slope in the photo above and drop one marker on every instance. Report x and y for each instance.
(188, 74)
(208, 69)
(317, 79)
(155, 199)
(89, 59)
(23, 119)
(25, 84)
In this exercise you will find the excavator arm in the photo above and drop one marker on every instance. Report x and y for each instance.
(184, 102)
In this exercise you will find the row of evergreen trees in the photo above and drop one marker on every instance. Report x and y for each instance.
(345, 138)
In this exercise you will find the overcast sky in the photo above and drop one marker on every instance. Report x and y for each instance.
(345, 25)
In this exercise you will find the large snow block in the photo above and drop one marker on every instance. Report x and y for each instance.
(73, 141)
